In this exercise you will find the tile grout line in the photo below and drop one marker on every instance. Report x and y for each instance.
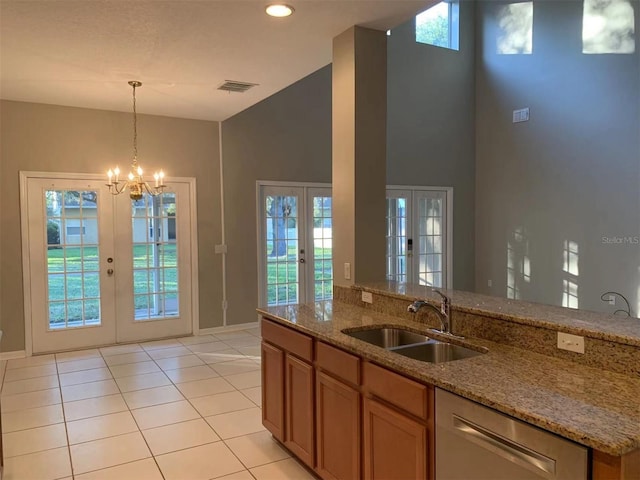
(136, 422)
(172, 383)
(205, 420)
(64, 420)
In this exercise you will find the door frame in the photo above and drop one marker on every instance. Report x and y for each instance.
(26, 261)
(448, 191)
(260, 230)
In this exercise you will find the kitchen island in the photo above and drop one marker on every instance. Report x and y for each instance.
(594, 407)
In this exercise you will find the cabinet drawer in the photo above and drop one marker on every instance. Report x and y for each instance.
(406, 394)
(297, 343)
(341, 364)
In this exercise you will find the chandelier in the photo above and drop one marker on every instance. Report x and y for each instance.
(134, 182)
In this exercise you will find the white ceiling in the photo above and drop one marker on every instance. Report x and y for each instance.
(82, 53)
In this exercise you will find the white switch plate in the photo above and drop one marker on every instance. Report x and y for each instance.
(367, 297)
(347, 271)
(220, 249)
(612, 299)
(573, 343)
(521, 115)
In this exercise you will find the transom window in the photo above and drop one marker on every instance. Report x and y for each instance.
(439, 25)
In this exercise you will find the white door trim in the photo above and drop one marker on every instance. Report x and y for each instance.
(26, 264)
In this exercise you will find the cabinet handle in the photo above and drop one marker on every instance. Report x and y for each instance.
(503, 446)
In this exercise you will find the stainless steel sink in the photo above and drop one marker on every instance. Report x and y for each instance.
(436, 352)
(388, 337)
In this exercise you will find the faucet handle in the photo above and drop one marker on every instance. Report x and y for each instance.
(445, 302)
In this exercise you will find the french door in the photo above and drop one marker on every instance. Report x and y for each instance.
(295, 244)
(102, 269)
(419, 236)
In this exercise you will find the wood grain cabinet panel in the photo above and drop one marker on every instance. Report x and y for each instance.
(337, 429)
(395, 446)
(273, 390)
(299, 411)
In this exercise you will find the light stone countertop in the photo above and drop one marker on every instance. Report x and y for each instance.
(593, 407)
(615, 328)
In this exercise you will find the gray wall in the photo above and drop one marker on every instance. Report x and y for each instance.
(286, 137)
(38, 137)
(430, 127)
(572, 172)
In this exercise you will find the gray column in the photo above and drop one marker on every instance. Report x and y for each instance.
(359, 155)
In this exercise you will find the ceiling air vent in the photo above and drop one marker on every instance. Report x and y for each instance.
(235, 86)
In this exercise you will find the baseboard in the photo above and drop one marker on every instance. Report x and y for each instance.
(228, 328)
(12, 355)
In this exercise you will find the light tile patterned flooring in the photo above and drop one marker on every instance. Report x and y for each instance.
(180, 409)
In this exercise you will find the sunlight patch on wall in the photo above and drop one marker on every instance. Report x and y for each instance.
(608, 26)
(516, 29)
(518, 263)
(571, 260)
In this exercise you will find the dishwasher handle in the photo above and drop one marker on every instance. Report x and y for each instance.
(503, 446)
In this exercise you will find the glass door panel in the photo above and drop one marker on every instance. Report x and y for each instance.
(281, 248)
(398, 233)
(321, 234)
(155, 258)
(73, 280)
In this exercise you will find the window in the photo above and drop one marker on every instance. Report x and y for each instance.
(608, 26)
(438, 25)
(75, 230)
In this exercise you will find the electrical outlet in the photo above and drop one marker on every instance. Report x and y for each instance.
(347, 271)
(612, 299)
(367, 297)
(220, 248)
(572, 343)
(489, 283)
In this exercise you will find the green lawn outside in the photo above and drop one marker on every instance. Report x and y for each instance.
(81, 283)
(281, 270)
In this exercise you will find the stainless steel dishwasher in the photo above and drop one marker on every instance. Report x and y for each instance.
(474, 442)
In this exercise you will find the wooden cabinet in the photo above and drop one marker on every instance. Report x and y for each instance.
(288, 389)
(398, 425)
(273, 390)
(338, 413)
(395, 446)
(298, 386)
(344, 417)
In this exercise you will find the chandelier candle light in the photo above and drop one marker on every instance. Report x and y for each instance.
(137, 186)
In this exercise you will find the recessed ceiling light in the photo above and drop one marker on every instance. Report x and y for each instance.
(279, 10)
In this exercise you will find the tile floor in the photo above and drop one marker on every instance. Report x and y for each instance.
(180, 409)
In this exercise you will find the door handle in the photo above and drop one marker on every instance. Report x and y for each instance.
(302, 260)
(110, 272)
(503, 446)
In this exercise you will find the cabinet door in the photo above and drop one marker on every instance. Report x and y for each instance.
(273, 390)
(395, 446)
(337, 429)
(299, 437)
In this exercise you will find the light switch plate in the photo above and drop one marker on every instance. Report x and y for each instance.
(220, 248)
(572, 343)
(367, 297)
(347, 271)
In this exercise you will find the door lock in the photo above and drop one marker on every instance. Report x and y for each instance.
(302, 260)
(109, 260)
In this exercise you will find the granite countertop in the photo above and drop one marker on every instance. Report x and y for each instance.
(593, 407)
(615, 328)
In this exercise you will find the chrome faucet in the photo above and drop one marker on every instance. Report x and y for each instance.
(444, 312)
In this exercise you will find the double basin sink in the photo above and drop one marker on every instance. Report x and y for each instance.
(413, 345)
